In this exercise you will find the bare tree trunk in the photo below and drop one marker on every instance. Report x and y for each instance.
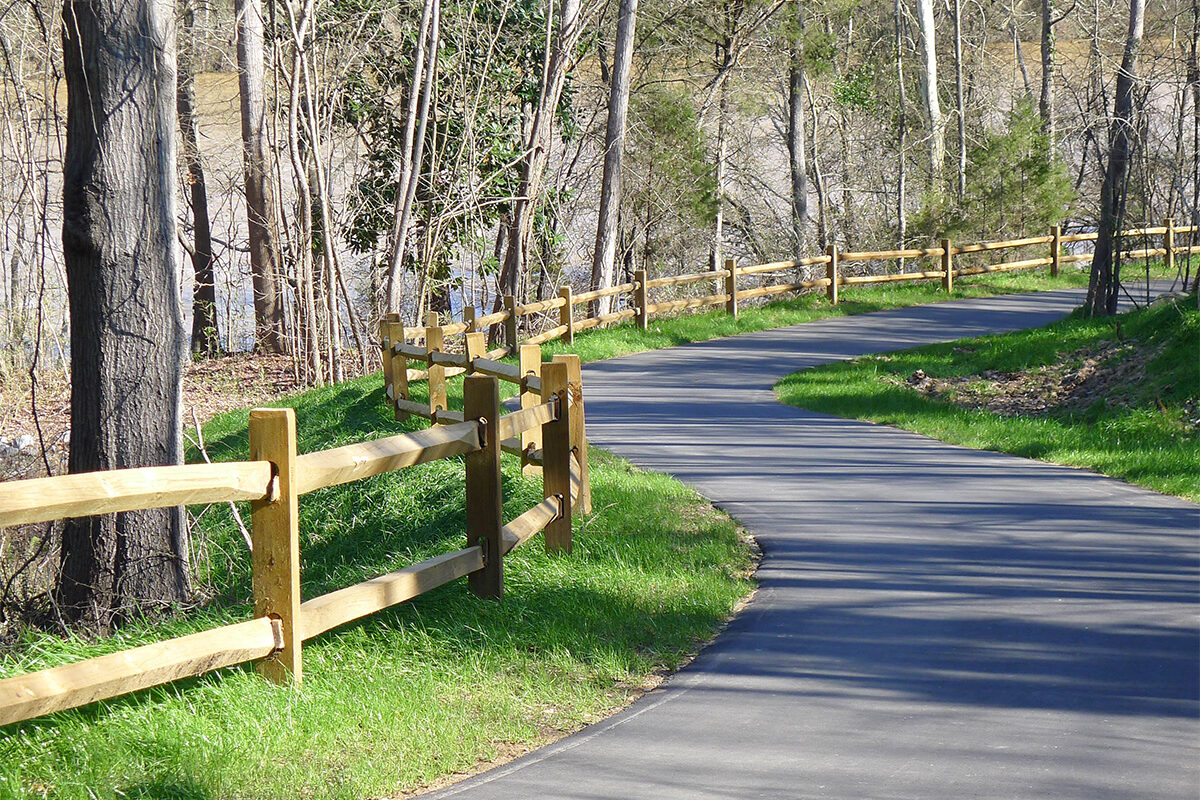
(959, 106)
(795, 132)
(127, 336)
(715, 257)
(537, 146)
(929, 91)
(260, 200)
(1105, 280)
(818, 178)
(1046, 99)
(901, 136)
(604, 258)
(206, 340)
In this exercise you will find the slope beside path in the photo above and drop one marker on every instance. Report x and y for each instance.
(931, 622)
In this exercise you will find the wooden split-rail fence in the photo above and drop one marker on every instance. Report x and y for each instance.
(273, 480)
(557, 318)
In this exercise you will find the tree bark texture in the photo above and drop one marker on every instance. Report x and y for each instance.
(260, 200)
(1104, 283)
(1046, 98)
(604, 260)
(206, 340)
(127, 335)
(797, 162)
(929, 90)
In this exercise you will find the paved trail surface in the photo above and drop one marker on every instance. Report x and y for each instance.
(932, 622)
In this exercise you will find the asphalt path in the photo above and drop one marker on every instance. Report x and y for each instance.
(931, 621)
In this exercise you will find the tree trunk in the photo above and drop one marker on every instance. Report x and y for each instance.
(127, 336)
(929, 91)
(604, 258)
(795, 132)
(260, 201)
(1105, 280)
(901, 137)
(206, 340)
(538, 143)
(1046, 99)
(716, 252)
(959, 105)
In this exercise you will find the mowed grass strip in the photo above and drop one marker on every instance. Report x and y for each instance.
(415, 693)
(1142, 428)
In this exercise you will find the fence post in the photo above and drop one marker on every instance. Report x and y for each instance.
(1169, 244)
(398, 366)
(947, 266)
(831, 272)
(639, 299)
(1055, 250)
(481, 402)
(566, 314)
(435, 340)
(529, 359)
(731, 305)
(556, 457)
(578, 428)
(510, 323)
(275, 533)
(469, 318)
(476, 345)
(385, 353)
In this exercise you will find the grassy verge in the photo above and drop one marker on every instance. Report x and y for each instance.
(1139, 424)
(433, 687)
(424, 690)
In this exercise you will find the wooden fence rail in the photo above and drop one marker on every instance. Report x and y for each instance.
(273, 481)
(638, 305)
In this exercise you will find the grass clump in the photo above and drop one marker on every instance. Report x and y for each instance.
(423, 690)
(1126, 402)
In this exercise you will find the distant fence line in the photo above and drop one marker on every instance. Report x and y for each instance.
(638, 304)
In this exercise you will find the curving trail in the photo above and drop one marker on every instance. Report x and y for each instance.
(932, 621)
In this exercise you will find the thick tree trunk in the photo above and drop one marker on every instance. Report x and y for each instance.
(929, 91)
(127, 336)
(1105, 281)
(1046, 99)
(260, 200)
(604, 258)
(206, 340)
(797, 161)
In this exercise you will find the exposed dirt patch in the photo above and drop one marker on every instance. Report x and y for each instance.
(1075, 382)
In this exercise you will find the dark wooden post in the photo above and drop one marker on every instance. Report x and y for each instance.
(639, 298)
(556, 457)
(731, 305)
(947, 266)
(275, 532)
(485, 504)
(1055, 250)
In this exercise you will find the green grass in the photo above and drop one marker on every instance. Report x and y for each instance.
(1142, 432)
(434, 686)
(426, 689)
(667, 331)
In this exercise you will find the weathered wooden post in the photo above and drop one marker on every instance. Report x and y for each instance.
(510, 322)
(529, 360)
(275, 533)
(435, 340)
(1055, 250)
(556, 456)
(385, 352)
(398, 366)
(469, 318)
(947, 266)
(566, 314)
(831, 272)
(476, 346)
(485, 504)
(639, 299)
(731, 305)
(1169, 244)
(578, 428)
